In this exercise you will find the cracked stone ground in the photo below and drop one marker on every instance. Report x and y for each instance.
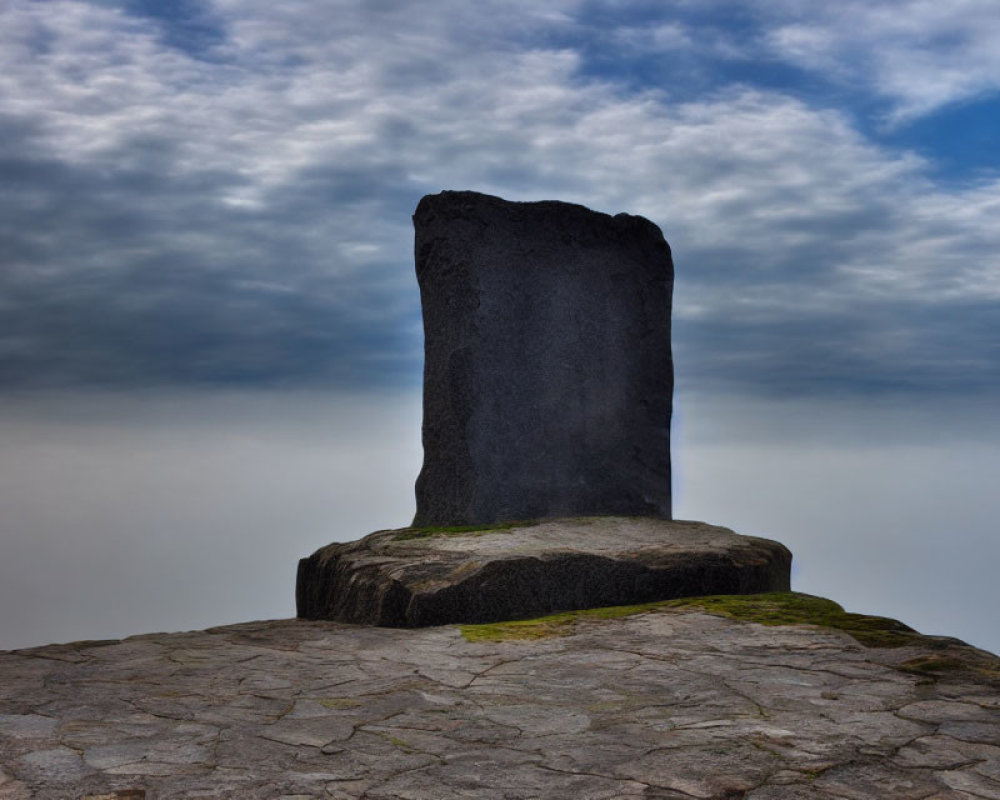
(665, 704)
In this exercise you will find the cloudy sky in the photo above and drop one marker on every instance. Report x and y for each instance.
(210, 328)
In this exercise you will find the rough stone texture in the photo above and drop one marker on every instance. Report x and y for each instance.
(664, 705)
(548, 375)
(390, 578)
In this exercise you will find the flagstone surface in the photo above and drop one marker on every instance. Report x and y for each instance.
(667, 704)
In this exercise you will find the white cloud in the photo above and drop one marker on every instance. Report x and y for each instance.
(920, 54)
(301, 140)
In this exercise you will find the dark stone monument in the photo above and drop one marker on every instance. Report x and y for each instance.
(547, 399)
(548, 376)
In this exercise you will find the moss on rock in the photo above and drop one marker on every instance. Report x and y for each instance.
(552, 625)
(932, 665)
(454, 530)
(778, 608)
(942, 656)
(794, 608)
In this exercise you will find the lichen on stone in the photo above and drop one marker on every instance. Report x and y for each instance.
(795, 608)
(426, 532)
(776, 608)
(337, 703)
(562, 624)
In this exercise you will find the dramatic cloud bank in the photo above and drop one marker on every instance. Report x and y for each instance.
(219, 192)
(210, 340)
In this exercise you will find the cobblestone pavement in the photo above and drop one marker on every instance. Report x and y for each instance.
(666, 704)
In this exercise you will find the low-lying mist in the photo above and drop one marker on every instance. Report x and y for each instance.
(124, 514)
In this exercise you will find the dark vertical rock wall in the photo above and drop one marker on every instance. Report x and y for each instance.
(548, 376)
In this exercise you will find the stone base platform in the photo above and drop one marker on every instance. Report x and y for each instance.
(434, 576)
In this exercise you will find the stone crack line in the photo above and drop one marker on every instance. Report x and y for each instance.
(410, 748)
(379, 782)
(485, 672)
(825, 670)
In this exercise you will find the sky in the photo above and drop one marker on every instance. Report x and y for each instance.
(210, 338)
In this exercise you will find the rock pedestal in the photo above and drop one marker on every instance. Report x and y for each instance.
(547, 399)
(410, 577)
(548, 374)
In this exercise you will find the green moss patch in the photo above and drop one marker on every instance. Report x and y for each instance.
(956, 659)
(931, 665)
(454, 530)
(87, 644)
(553, 625)
(779, 608)
(793, 608)
(338, 703)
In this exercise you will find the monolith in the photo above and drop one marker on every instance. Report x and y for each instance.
(548, 375)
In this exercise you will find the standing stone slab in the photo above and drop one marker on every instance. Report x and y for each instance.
(548, 375)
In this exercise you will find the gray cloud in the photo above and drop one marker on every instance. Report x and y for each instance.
(106, 285)
(877, 346)
(222, 195)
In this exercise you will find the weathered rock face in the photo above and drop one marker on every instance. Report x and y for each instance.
(548, 374)
(672, 705)
(408, 578)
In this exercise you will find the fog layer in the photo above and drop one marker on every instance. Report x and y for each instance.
(124, 514)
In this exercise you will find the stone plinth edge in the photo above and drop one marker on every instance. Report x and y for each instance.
(415, 577)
